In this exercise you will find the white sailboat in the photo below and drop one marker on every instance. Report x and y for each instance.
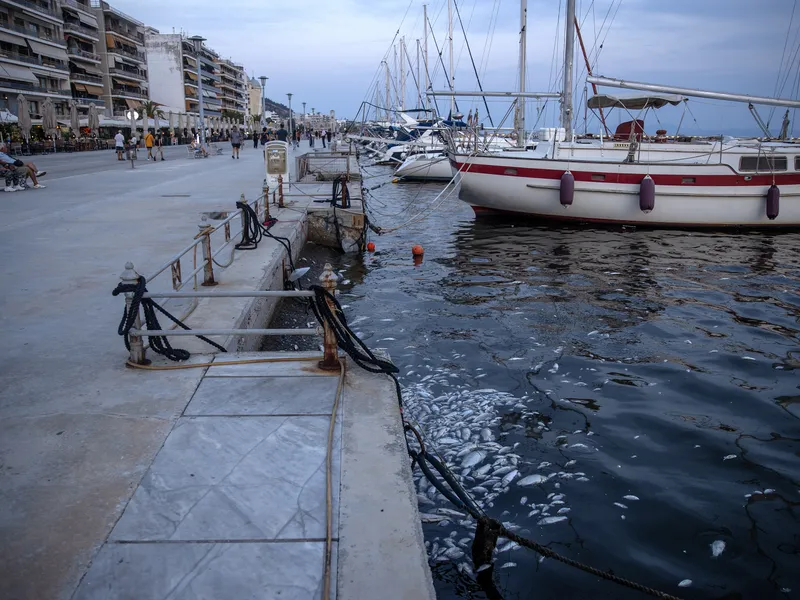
(633, 178)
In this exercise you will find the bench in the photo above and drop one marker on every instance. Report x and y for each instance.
(195, 152)
(216, 150)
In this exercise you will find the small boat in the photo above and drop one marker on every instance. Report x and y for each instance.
(427, 166)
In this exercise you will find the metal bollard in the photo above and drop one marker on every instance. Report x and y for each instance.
(137, 356)
(208, 269)
(330, 359)
(280, 191)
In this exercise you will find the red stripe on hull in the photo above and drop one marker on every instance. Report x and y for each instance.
(482, 211)
(632, 178)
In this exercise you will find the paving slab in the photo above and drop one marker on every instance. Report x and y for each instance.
(235, 478)
(245, 396)
(206, 571)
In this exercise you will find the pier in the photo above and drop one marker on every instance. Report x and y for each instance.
(193, 482)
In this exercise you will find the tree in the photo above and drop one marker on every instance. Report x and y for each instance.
(234, 115)
(151, 109)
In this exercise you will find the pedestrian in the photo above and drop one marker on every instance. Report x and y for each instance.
(255, 139)
(311, 137)
(330, 135)
(264, 136)
(149, 139)
(323, 136)
(133, 144)
(283, 135)
(119, 144)
(236, 142)
(159, 146)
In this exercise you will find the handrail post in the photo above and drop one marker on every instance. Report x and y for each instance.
(280, 191)
(330, 358)
(208, 269)
(137, 353)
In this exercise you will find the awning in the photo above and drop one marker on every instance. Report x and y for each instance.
(207, 94)
(49, 51)
(94, 89)
(91, 70)
(18, 73)
(132, 104)
(634, 102)
(110, 42)
(88, 20)
(190, 75)
(10, 38)
(125, 78)
(79, 87)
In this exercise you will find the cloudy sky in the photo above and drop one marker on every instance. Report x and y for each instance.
(328, 53)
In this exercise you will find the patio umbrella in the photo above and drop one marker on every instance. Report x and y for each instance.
(74, 123)
(156, 122)
(171, 124)
(145, 121)
(94, 119)
(49, 123)
(24, 116)
(181, 125)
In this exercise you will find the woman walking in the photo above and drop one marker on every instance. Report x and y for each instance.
(236, 142)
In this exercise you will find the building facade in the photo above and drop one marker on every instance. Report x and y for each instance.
(254, 97)
(173, 74)
(33, 55)
(233, 94)
(122, 59)
(82, 36)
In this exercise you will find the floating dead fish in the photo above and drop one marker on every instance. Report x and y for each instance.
(531, 480)
(473, 458)
(454, 553)
(509, 477)
(551, 520)
(430, 518)
(523, 500)
(630, 497)
(729, 457)
(620, 504)
(508, 565)
(508, 546)
(685, 583)
(717, 548)
(484, 567)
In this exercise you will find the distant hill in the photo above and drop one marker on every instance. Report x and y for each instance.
(281, 109)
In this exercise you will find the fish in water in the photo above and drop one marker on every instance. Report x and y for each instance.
(531, 480)
(551, 520)
(508, 565)
(685, 583)
(473, 458)
(717, 548)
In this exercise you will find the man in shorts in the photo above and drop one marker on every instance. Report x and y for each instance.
(149, 139)
(119, 144)
(236, 142)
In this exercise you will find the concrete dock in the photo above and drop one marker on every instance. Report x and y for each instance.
(192, 483)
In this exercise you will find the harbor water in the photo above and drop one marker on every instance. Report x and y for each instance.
(628, 398)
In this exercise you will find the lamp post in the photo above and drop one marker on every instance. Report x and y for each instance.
(263, 80)
(304, 117)
(290, 117)
(198, 40)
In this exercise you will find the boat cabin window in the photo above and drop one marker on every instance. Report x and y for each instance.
(763, 163)
(797, 163)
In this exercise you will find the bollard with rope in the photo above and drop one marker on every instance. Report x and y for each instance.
(330, 359)
(280, 192)
(135, 343)
(208, 270)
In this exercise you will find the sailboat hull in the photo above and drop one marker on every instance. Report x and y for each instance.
(686, 195)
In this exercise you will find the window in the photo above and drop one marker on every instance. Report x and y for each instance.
(763, 163)
(797, 163)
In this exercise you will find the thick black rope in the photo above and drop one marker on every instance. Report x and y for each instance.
(488, 529)
(254, 231)
(159, 343)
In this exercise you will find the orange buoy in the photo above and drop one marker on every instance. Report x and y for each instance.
(417, 250)
(371, 247)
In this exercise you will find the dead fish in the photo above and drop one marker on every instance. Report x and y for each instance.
(717, 548)
(508, 565)
(551, 520)
(629, 497)
(531, 480)
(509, 477)
(473, 458)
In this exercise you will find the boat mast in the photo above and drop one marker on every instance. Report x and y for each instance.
(425, 52)
(450, 38)
(402, 73)
(396, 87)
(388, 97)
(419, 82)
(569, 55)
(519, 117)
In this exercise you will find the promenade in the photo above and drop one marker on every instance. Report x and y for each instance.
(79, 431)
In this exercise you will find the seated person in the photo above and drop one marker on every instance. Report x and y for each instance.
(199, 149)
(29, 169)
(14, 177)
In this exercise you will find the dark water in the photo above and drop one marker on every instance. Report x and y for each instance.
(665, 363)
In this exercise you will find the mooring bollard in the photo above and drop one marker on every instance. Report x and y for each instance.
(280, 191)
(330, 358)
(208, 268)
(137, 356)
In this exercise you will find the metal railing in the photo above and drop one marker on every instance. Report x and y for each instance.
(78, 5)
(122, 52)
(29, 87)
(85, 101)
(83, 53)
(35, 60)
(85, 77)
(79, 28)
(134, 73)
(203, 240)
(126, 91)
(49, 9)
(42, 35)
(135, 36)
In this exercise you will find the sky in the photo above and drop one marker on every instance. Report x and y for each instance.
(328, 53)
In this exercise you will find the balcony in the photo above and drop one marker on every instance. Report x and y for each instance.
(83, 30)
(122, 90)
(83, 54)
(29, 87)
(132, 35)
(86, 100)
(135, 55)
(35, 60)
(42, 35)
(86, 77)
(48, 10)
(77, 5)
(131, 73)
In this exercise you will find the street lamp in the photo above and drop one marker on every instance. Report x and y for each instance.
(197, 41)
(263, 80)
(304, 117)
(290, 117)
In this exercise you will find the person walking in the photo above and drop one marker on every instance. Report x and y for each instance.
(330, 135)
(264, 136)
(236, 142)
(255, 138)
(159, 146)
(311, 138)
(149, 139)
(119, 144)
(282, 134)
(133, 145)
(323, 137)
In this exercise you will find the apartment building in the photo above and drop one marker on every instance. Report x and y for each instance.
(232, 87)
(82, 36)
(172, 66)
(123, 61)
(33, 55)
(254, 97)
